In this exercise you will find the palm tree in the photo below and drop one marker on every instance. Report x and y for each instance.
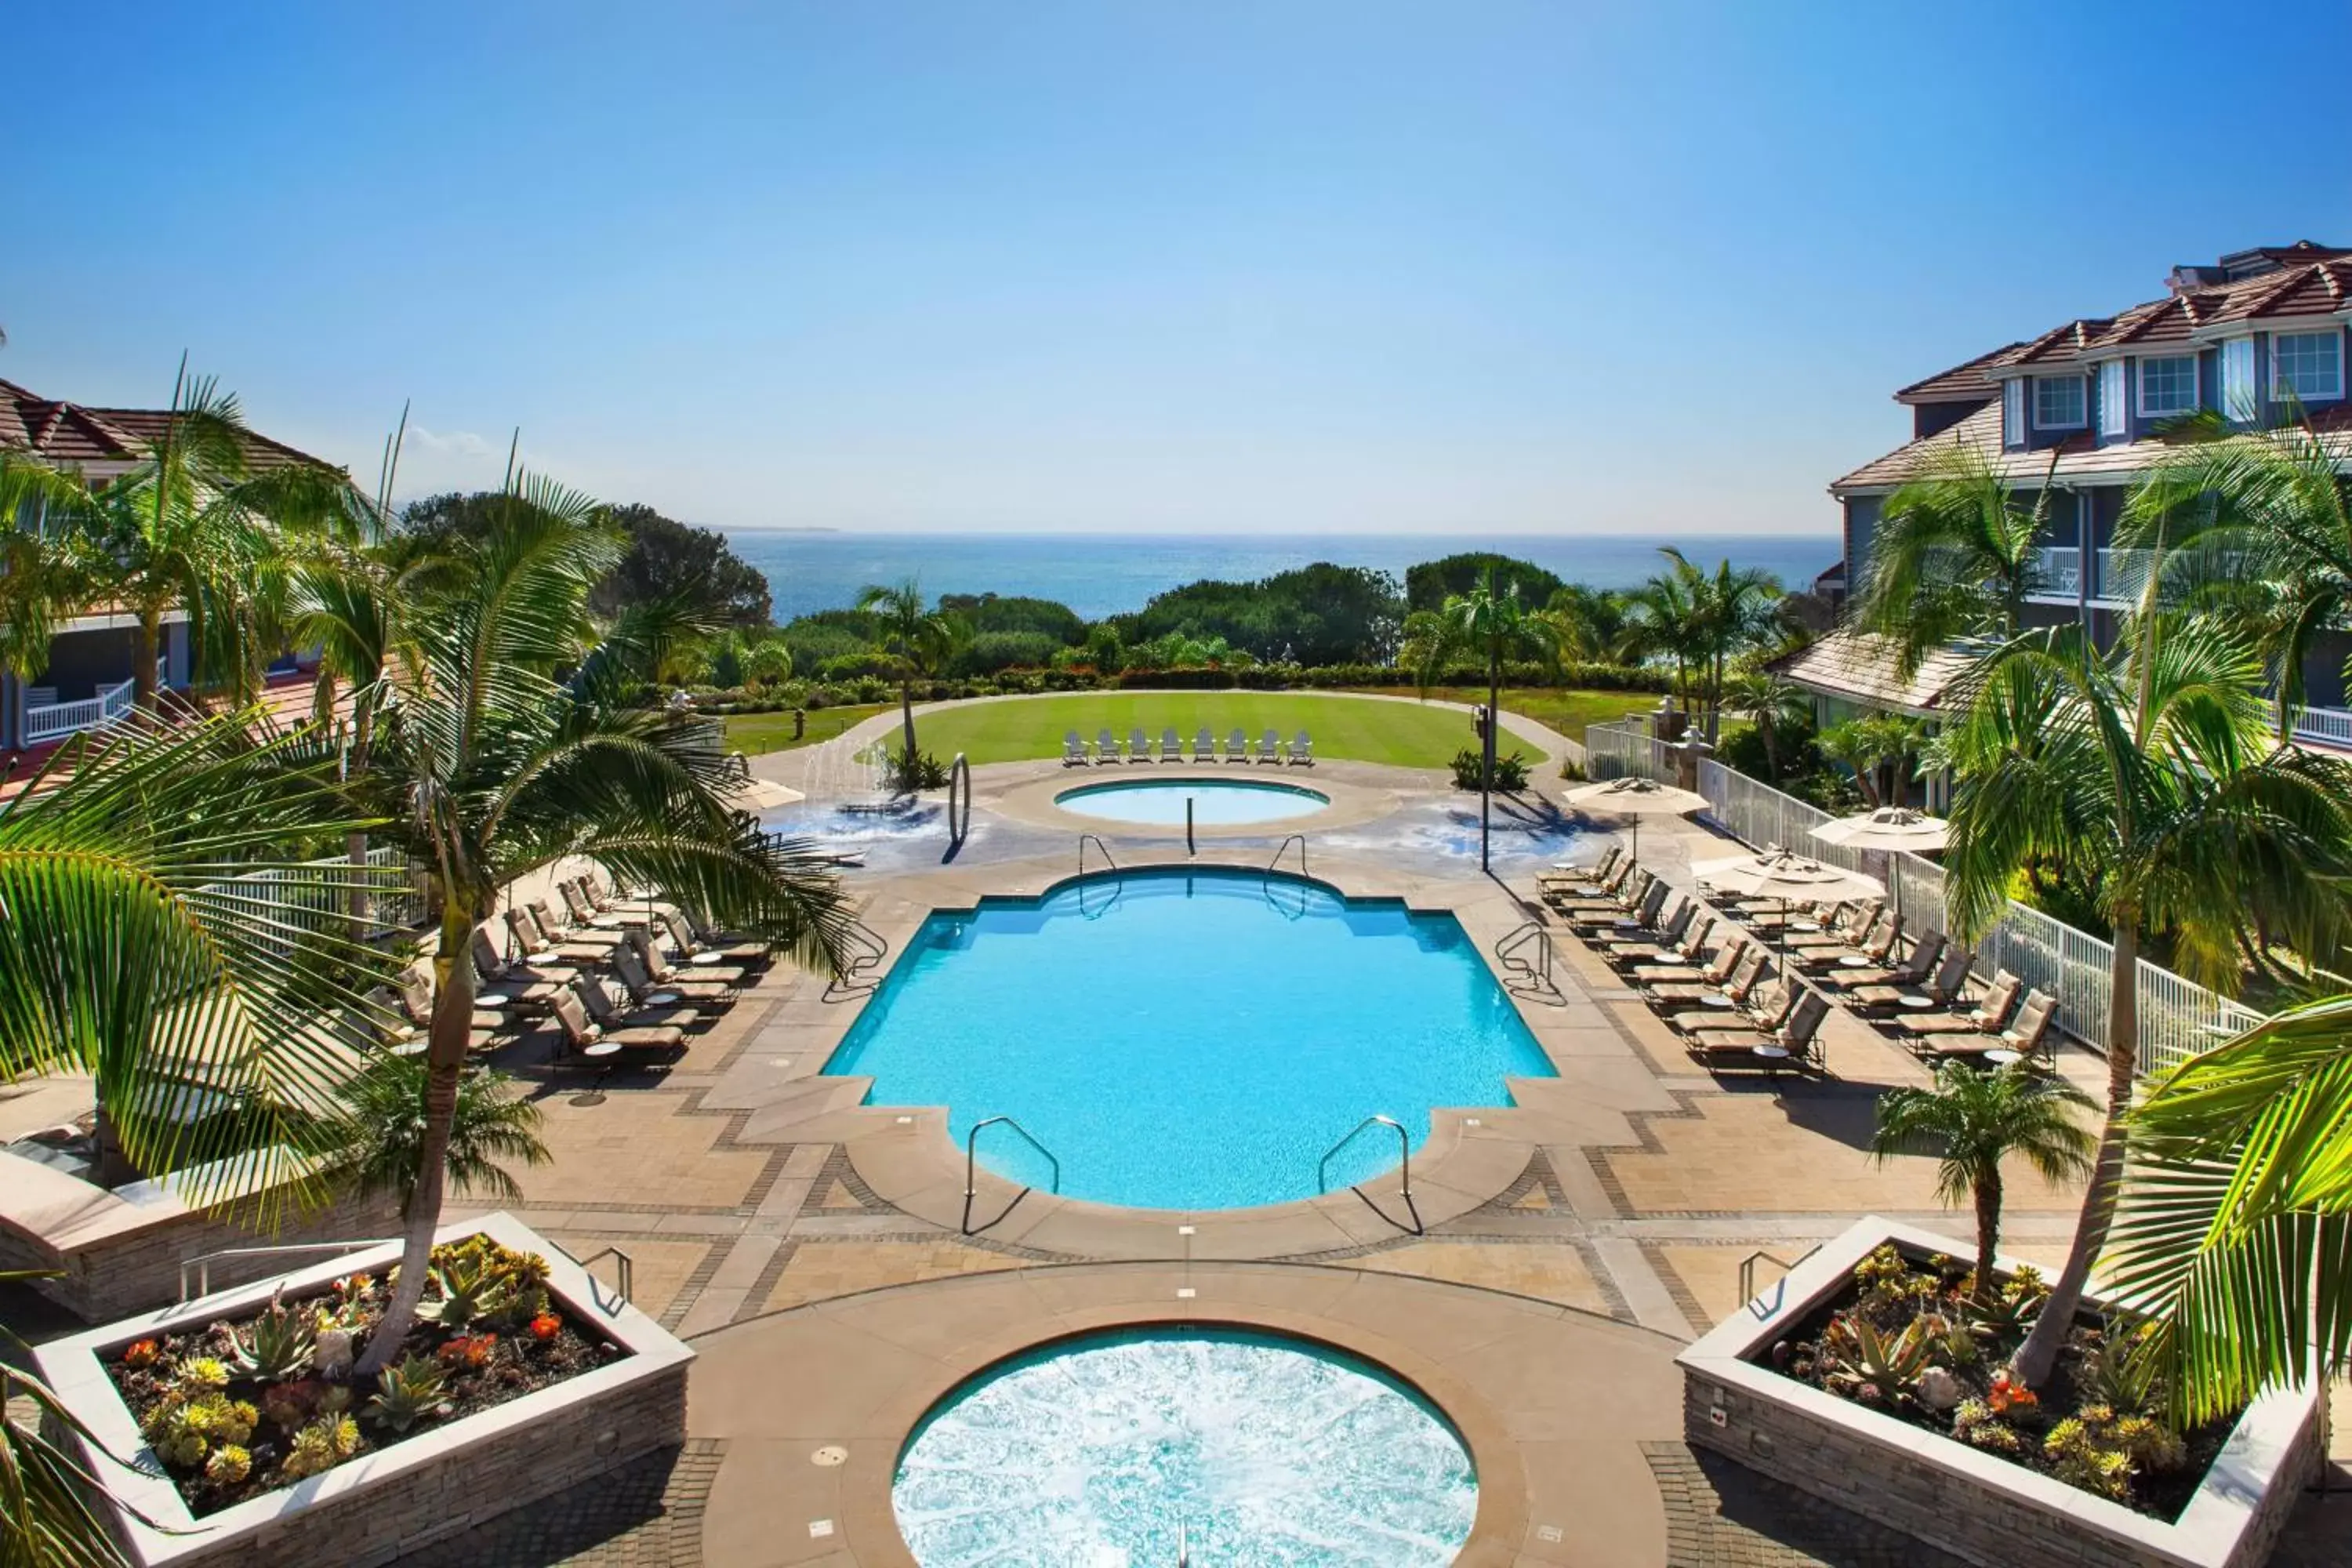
(190, 525)
(1595, 624)
(2149, 766)
(135, 954)
(916, 635)
(379, 1138)
(2269, 537)
(1971, 1121)
(1736, 612)
(1771, 704)
(1955, 553)
(1670, 620)
(511, 742)
(49, 1516)
(1491, 622)
(2235, 1232)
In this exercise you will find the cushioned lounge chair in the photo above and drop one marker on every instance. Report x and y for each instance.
(608, 1014)
(1909, 975)
(1732, 985)
(2026, 1035)
(1938, 991)
(1988, 1016)
(1766, 1050)
(595, 1046)
(1715, 971)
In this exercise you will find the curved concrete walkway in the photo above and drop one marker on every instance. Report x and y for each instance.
(811, 1406)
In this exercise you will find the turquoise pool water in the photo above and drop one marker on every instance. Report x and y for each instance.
(1216, 803)
(1263, 1450)
(1190, 1039)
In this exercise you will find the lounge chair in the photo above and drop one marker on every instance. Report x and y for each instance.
(541, 950)
(1908, 975)
(1610, 894)
(1204, 745)
(1988, 1016)
(721, 979)
(609, 1014)
(598, 1047)
(1885, 936)
(1171, 750)
(1717, 971)
(1860, 921)
(1563, 878)
(1269, 747)
(1302, 751)
(1609, 911)
(2025, 1034)
(1766, 1005)
(1237, 746)
(1073, 751)
(1683, 949)
(1939, 990)
(564, 932)
(515, 985)
(1733, 985)
(1770, 1050)
(634, 911)
(1139, 745)
(701, 950)
(1656, 938)
(1643, 916)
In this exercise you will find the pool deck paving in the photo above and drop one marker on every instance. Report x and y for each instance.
(812, 1247)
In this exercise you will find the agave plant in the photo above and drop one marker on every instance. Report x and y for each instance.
(278, 1344)
(1857, 1355)
(407, 1394)
(471, 1288)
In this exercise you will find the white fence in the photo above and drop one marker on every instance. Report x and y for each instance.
(52, 720)
(309, 896)
(2176, 1019)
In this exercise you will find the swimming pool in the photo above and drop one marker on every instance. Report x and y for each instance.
(1257, 1448)
(1216, 803)
(1190, 1038)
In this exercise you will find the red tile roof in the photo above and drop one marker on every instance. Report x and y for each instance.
(1962, 383)
(77, 435)
(2079, 458)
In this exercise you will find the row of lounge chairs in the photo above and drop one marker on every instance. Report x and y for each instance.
(623, 983)
(1271, 748)
(1761, 993)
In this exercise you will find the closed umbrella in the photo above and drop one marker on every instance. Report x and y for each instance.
(1637, 798)
(1888, 830)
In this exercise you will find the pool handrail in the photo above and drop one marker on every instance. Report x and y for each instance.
(972, 1164)
(1298, 838)
(1108, 859)
(1404, 1148)
(1538, 973)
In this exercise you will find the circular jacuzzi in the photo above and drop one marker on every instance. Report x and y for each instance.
(1214, 802)
(1247, 1448)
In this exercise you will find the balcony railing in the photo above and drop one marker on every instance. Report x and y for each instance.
(53, 720)
(2061, 574)
(2326, 726)
(2123, 574)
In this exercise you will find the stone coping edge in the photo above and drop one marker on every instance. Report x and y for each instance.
(73, 1369)
(2206, 1535)
(1497, 1528)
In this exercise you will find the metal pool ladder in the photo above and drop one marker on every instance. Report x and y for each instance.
(1101, 847)
(1298, 838)
(1404, 1182)
(1535, 971)
(971, 1165)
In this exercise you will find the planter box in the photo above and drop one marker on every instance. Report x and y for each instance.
(381, 1504)
(114, 1252)
(1974, 1505)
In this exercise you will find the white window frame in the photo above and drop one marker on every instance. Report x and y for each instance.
(2012, 412)
(2112, 416)
(2196, 387)
(2081, 402)
(2279, 388)
(2240, 401)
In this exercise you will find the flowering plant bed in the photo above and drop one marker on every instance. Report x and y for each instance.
(246, 1404)
(526, 1376)
(1845, 1380)
(1910, 1338)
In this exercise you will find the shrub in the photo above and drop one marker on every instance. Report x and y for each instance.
(905, 774)
(1510, 769)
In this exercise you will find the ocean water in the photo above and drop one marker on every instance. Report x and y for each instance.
(1129, 1448)
(1183, 1039)
(1100, 574)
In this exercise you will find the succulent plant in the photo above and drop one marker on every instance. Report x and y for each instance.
(321, 1445)
(227, 1466)
(278, 1345)
(472, 1288)
(1856, 1355)
(407, 1395)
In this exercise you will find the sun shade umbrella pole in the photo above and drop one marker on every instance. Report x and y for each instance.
(1889, 830)
(1636, 797)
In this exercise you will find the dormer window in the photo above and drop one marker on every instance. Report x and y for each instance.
(2168, 386)
(2058, 403)
(2310, 366)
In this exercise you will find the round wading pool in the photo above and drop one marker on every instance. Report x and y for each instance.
(1216, 803)
(1252, 1449)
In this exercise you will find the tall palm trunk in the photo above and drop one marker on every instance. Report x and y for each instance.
(145, 646)
(2039, 1354)
(445, 1062)
(111, 1166)
(1487, 779)
(907, 719)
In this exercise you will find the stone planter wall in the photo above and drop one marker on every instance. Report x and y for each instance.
(1974, 1505)
(384, 1504)
(114, 1252)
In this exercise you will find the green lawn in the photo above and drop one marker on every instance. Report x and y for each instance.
(1341, 726)
(751, 734)
(1566, 712)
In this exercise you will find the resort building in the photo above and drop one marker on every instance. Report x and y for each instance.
(88, 679)
(2080, 411)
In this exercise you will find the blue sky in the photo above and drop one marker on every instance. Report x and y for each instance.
(1357, 266)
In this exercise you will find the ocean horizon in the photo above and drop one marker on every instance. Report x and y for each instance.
(1099, 574)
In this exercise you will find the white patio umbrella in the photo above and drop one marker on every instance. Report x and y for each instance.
(1887, 830)
(1637, 798)
(1784, 875)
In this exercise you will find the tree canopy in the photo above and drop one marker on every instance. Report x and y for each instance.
(1428, 585)
(1316, 615)
(659, 557)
